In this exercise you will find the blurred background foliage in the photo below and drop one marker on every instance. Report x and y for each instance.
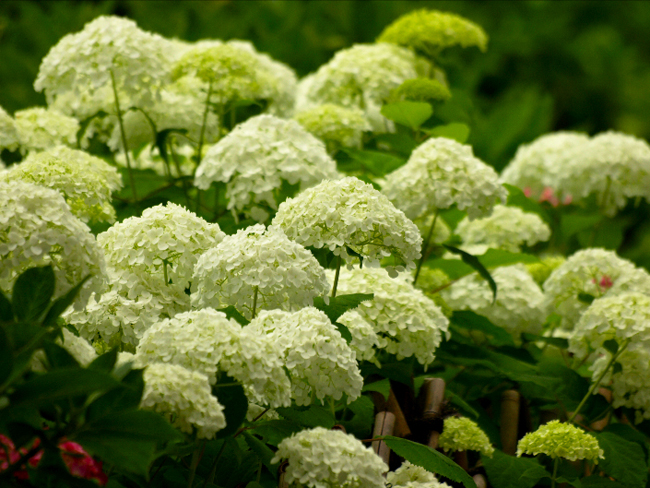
(550, 65)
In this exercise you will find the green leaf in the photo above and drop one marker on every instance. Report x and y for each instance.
(429, 459)
(161, 141)
(59, 357)
(553, 341)
(498, 257)
(381, 386)
(474, 262)
(126, 396)
(32, 293)
(408, 113)
(516, 198)
(472, 321)
(134, 424)
(599, 482)
(6, 356)
(105, 362)
(505, 471)
(340, 304)
(83, 125)
(586, 298)
(461, 404)
(131, 455)
(232, 313)
(230, 394)
(62, 303)
(274, 431)
(363, 410)
(312, 416)
(571, 224)
(377, 163)
(263, 452)
(611, 345)
(624, 460)
(456, 131)
(6, 314)
(454, 268)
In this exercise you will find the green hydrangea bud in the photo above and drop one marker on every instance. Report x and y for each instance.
(542, 270)
(556, 439)
(463, 434)
(336, 126)
(420, 90)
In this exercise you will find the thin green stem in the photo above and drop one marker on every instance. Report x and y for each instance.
(556, 463)
(336, 276)
(199, 148)
(425, 247)
(254, 302)
(125, 146)
(596, 383)
(196, 458)
(213, 469)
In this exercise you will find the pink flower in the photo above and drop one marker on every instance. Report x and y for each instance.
(528, 191)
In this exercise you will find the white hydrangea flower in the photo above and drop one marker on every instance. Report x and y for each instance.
(81, 66)
(350, 214)
(84, 188)
(184, 397)
(109, 173)
(361, 77)
(595, 272)
(561, 440)
(208, 342)
(8, 132)
(78, 347)
(508, 228)
(442, 172)
(612, 166)
(520, 305)
(541, 163)
(463, 434)
(257, 266)
(620, 317)
(37, 229)
(319, 361)
(411, 476)
(336, 126)
(258, 156)
(364, 338)
(542, 270)
(405, 320)
(322, 458)
(40, 128)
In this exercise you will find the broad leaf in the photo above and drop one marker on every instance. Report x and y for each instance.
(131, 455)
(232, 313)
(461, 404)
(340, 304)
(312, 416)
(6, 314)
(263, 452)
(408, 113)
(571, 224)
(377, 163)
(505, 471)
(456, 131)
(32, 293)
(62, 303)
(474, 262)
(274, 431)
(472, 321)
(624, 460)
(6, 356)
(230, 394)
(498, 257)
(105, 362)
(124, 397)
(516, 198)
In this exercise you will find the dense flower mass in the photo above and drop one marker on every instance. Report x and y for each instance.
(336, 126)
(364, 338)
(184, 397)
(508, 228)
(440, 173)
(40, 128)
(421, 90)
(560, 440)
(519, 307)
(431, 31)
(407, 323)
(463, 434)
(411, 476)
(8, 131)
(37, 229)
(257, 269)
(349, 214)
(321, 458)
(320, 363)
(258, 157)
(206, 341)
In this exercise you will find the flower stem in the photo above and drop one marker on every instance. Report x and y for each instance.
(199, 148)
(425, 247)
(254, 302)
(336, 276)
(123, 134)
(196, 458)
(596, 383)
(556, 463)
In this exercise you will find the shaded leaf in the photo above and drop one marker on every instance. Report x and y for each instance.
(516, 198)
(6, 356)
(311, 416)
(498, 257)
(62, 303)
(377, 163)
(263, 452)
(6, 314)
(232, 313)
(408, 113)
(474, 262)
(230, 394)
(274, 431)
(472, 321)
(586, 298)
(456, 131)
(624, 460)
(611, 345)
(32, 293)
(105, 362)
(340, 304)
(505, 471)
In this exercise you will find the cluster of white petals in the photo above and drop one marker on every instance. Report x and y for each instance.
(8, 131)
(361, 77)
(520, 304)
(336, 126)
(561, 440)
(463, 434)
(83, 186)
(411, 476)
(258, 156)
(37, 229)
(257, 268)
(595, 272)
(78, 347)
(364, 338)
(97, 165)
(322, 458)
(184, 397)
(350, 214)
(407, 323)
(440, 173)
(508, 228)
(320, 363)
(208, 342)
(40, 128)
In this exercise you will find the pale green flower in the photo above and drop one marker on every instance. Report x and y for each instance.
(411, 476)
(463, 434)
(8, 131)
(421, 90)
(40, 128)
(561, 440)
(364, 338)
(431, 31)
(542, 270)
(322, 458)
(336, 126)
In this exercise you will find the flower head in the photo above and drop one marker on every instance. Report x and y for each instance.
(542, 270)
(463, 434)
(336, 126)
(321, 458)
(560, 440)
(411, 476)
(40, 128)
(421, 90)
(8, 131)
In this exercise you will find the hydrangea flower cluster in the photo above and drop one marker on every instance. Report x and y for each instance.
(561, 440)
(440, 173)
(319, 361)
(335, 125)
(37, 229)
(184, 397)
(208, 342)
(431, 31)
(420, 90)
(411, 476)
(82, 66)
(407, 323)
(542, 270)
(78, 347)
(258, 156)
(97, 165)
(350, 214)
(257, 269)
(83, 186)
(595, 272)
(321, 458)
(8, 132)
(508, 228)
(361, 77)
(463, 434)
(40, 128)
(364, 338)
